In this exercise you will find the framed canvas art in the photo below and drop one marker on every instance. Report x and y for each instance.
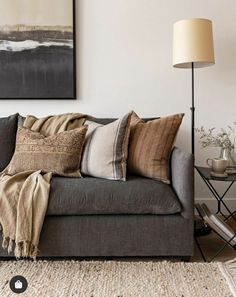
(37, 49)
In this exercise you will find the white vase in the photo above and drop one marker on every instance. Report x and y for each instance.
(226, 154)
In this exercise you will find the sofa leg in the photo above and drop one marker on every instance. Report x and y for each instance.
(185, 259)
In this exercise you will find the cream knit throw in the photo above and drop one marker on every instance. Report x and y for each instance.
(24, 196)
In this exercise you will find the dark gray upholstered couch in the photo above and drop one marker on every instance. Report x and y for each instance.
(140, 217)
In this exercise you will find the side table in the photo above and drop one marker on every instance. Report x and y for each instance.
(204, 172)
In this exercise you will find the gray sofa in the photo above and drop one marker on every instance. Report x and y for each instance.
(92, 217)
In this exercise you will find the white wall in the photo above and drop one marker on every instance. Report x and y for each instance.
(125, 62)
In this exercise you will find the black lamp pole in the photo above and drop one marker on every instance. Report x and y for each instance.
(193, 113)
(200, 227)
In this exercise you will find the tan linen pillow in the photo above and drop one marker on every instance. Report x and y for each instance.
(151, 144)
(106, 148)
(59, 153)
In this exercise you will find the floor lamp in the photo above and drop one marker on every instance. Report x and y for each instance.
(193, 48)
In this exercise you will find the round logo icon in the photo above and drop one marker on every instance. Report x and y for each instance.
(18, 284)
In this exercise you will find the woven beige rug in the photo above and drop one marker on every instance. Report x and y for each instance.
(119, 279)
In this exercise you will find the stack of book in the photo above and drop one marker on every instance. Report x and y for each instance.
(217, 224)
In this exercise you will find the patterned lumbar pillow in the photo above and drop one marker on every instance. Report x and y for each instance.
(59, 153)
(151, 144)
(105, 149)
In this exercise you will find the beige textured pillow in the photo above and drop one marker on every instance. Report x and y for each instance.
(105, 149)
(59, 153)
(151, 144)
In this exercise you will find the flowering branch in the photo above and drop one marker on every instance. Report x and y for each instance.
(221, 139)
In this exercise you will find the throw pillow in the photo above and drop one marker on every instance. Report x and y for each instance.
(106, 148)
(8, 129)
(151, 144)
(59, 153)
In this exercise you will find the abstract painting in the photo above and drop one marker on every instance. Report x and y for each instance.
(37, 49)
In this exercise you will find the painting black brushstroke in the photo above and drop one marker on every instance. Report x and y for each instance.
(37, 61)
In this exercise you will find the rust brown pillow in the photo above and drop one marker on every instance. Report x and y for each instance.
(59, 153)
(151, 144)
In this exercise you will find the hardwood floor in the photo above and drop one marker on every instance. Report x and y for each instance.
(211, 244)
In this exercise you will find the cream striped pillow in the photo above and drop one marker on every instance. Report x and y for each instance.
(106, 148)
(151, 144)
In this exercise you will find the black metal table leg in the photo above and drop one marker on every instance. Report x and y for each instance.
(206, 176)
(219, 198)
(200, 249)
(226, 243)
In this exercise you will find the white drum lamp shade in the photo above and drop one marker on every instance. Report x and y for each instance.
(193, 43)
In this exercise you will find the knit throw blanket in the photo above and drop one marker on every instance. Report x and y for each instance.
(24, 196)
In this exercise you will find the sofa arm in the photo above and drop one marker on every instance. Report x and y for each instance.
(182, 180)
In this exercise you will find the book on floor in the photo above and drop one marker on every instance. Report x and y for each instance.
(216, 223)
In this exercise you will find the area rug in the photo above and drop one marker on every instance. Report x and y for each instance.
(120, 279)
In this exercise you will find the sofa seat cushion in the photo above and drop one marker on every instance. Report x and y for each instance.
(138, 195)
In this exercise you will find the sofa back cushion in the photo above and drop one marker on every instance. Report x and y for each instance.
(8, 128)
(59, 153)
(151, 144)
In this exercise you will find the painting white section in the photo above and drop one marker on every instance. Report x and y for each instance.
(18, 46)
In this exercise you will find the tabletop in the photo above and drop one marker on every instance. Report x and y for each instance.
(206, 173)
